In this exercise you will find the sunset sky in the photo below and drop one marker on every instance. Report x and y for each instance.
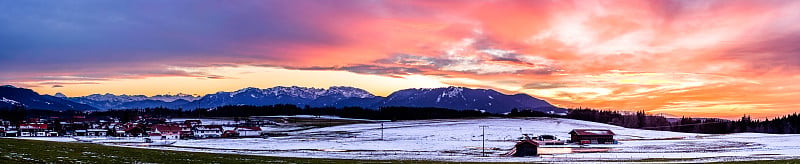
(696, 58)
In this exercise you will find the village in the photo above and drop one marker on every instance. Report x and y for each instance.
(153, 128)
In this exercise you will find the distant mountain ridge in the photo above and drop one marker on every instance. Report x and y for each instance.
(464, 99)
(111, 101)
(282, 95)
(459, 98)
(11, 96)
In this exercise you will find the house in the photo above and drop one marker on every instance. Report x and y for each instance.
(248, 131)
(592, 136)
(230, 133)
(523, 148)
(186, 128)
(134, 131)
(186, 131)
(80, 132)
(207, 131)
(166, 131)
(11, 133)
(154, 136)
(33, 130)
(96, 132)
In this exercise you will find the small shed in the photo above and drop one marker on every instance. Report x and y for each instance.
(249, 131)
(525, 148)
(592, 136)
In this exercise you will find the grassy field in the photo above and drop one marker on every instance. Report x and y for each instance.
(29, 151)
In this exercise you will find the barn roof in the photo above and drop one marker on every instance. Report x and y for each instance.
(167, 128)
(208, 127)
(592, 132)
(32, 126)
(527, 141)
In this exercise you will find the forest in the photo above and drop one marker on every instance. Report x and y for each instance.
(788, 124)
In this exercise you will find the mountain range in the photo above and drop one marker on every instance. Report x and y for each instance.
(11, 96)
(459, 98)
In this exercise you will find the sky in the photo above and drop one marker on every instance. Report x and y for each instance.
(699, 58)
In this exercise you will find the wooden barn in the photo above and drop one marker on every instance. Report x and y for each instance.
(592, 136)
(524, 148)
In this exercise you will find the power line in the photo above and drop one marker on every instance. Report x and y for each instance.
(483, 146)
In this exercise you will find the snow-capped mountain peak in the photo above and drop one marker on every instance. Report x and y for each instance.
(452, 91)
(171, 98)
(246, 90)
(60, 95)
(295, 91)
(348, 92)
(114, 98)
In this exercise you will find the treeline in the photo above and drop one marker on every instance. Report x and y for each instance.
(13, 114)
(18, 114)
(635, 120)
(789, 124)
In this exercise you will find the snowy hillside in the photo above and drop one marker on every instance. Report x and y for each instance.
(13, 96)
(458, 140)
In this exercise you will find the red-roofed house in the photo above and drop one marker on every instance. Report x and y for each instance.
(166, 131)
(33, 130)
(592, 136)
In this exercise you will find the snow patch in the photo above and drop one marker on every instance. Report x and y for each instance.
(10, 101)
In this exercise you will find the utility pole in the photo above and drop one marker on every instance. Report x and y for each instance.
(483, 142)
(381, 131)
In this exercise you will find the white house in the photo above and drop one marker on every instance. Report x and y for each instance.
(207, 131)
(171, 132)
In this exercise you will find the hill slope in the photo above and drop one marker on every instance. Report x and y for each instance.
(10, 96)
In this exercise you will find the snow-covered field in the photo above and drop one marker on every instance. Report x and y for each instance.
(460, 139)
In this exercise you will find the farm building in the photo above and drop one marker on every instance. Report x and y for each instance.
(592, 136)
(525, 148)
(249, 131)
(33, 130)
